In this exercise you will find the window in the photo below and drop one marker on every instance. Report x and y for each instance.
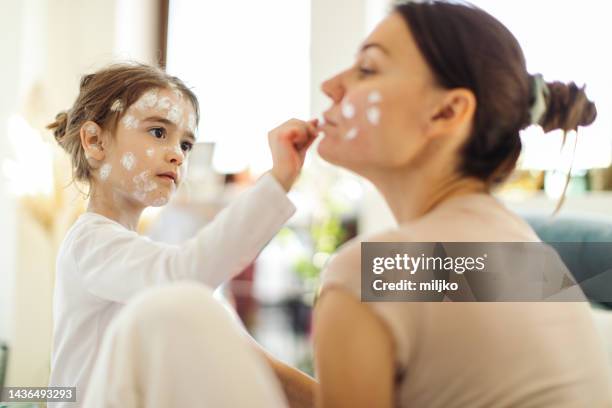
(564, 40)
(249, 64)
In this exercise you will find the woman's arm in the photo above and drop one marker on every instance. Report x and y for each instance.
(354, 353)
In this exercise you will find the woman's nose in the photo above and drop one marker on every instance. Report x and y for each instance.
(334, 88)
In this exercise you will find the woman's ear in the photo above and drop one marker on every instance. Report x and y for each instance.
(454, 113)
(91, 140)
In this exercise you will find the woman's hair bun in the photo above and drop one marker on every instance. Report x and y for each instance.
(567, 107)
(59, 126)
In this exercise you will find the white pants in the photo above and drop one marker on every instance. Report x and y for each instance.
(176, 346)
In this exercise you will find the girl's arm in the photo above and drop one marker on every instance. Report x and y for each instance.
(299, 387)
(115, 263)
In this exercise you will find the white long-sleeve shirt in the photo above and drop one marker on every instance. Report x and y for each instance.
(101, 265)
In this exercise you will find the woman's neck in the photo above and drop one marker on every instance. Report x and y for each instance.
(106, 202)
(412, 194)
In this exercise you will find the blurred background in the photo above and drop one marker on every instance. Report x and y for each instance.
(253, 65)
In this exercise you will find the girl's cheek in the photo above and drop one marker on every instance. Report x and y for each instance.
(361, 114)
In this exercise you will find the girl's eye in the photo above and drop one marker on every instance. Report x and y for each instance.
(186, 146)
(158, 132)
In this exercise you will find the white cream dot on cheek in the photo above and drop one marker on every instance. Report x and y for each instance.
(351, 134)
(143, 184)
(373, 115)
(128, 160)
(130, 122)
(348, 110)
(374, 97)
(150, 152)
(105, 171)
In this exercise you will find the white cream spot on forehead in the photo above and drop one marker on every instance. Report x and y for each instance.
(130, 122)
(374, 115)
(91, 129)
(191, 122)
(147, 100)
(175, 114)
(117, 106)
(150, 151)
(105, 171)
(348, 110)
(374, 97)
(128, 160)
(164, 103)
(351, 134)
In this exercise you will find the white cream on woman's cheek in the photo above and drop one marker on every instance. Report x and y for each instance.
(352, 115)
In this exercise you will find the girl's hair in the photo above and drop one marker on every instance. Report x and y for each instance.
(465, 47)
(103, 98)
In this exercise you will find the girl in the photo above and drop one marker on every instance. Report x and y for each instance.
(430, 113)
(129, 135)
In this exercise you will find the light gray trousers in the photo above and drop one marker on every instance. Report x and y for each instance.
(177, 346)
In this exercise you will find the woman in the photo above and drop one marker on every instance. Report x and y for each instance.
(430, 113)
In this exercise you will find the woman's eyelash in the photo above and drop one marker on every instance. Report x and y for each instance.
(158, 132)
(365, 71)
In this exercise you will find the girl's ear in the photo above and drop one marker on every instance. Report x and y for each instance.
(91, 140)
(455, 111)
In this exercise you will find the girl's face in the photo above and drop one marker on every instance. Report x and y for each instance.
(382, 105)
(146, 160)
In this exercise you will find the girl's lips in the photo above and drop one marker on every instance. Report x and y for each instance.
(166, 177)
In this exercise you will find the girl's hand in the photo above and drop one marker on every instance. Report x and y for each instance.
(288, 144)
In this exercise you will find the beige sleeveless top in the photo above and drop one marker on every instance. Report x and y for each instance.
(485, 354)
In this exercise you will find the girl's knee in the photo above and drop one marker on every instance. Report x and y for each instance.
(180, 302)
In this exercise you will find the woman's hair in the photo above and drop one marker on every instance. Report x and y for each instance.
(465, 47)
(104, 97)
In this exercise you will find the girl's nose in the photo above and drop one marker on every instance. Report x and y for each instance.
(175, 155)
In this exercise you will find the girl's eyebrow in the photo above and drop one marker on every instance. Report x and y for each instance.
(169, 123)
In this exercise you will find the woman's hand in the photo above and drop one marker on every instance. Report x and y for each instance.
(288, 144)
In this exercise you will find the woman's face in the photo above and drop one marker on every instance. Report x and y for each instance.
(146, 160)
(382, 105)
